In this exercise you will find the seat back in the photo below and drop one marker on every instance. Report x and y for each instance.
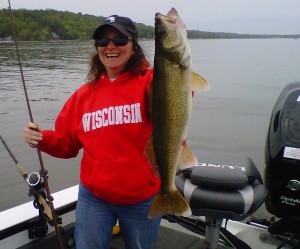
(222, 186)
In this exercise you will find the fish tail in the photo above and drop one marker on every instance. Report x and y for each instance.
(169, 203)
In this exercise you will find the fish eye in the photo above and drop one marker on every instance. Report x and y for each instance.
(162, 32)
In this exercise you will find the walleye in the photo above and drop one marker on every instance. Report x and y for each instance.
(171, 108)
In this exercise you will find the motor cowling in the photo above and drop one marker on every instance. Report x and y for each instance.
(282, 155)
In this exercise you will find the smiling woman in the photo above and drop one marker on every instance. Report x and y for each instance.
(118, 50)
(116, 53)
(114, 43)
(102, 117)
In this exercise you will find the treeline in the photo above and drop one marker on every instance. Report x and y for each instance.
(44, 25)
(196, 34)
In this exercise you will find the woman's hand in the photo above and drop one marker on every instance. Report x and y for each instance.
(32, 134)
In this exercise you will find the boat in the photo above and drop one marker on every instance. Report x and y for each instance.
(223, 190)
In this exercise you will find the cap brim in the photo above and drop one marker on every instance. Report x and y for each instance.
(99, 30)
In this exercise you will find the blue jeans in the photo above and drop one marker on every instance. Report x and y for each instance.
(95, 219)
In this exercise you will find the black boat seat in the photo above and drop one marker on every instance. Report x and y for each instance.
(221, 186)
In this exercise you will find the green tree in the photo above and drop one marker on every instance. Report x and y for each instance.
(43, 25)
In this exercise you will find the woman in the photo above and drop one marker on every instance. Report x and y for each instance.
(109, 119)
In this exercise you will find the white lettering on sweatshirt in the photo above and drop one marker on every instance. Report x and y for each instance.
(113, 115)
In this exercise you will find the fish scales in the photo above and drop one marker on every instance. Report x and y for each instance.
(171, 105)
(170, 117)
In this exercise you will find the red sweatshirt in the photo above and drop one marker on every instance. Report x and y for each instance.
(111, 122)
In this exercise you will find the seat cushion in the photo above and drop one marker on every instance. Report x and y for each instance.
(222, 185)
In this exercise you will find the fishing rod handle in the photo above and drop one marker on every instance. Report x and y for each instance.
(22, 170)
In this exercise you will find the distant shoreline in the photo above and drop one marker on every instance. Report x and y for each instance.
(7, 40)
(46, 25)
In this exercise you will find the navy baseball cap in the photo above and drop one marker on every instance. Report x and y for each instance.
(124, 24)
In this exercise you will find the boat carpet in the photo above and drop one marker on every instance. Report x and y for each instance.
(169, 239)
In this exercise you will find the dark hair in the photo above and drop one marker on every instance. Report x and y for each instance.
(137, 64)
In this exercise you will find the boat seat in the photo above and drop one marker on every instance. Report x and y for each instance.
(221, 186)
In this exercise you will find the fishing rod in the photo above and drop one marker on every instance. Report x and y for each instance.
(43, 171)
(35, 182)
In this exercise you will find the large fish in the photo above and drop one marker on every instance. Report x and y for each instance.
(171, 109)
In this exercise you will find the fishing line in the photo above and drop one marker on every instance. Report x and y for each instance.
(43, 171)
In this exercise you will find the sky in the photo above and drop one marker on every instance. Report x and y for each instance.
(233, 16)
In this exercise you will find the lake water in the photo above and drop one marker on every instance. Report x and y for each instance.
(245, 76)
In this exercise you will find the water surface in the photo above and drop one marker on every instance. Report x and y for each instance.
(245, 76)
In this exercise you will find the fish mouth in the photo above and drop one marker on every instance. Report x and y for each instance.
(170, 20)
(170, 17)
(172, 14)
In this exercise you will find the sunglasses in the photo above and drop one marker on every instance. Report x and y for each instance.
(118, 41)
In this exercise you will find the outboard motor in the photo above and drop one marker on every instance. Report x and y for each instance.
(282, 157)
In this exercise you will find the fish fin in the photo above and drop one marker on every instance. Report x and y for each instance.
(150, 156)
(169, 203)
(198, 82)
(187, 158)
